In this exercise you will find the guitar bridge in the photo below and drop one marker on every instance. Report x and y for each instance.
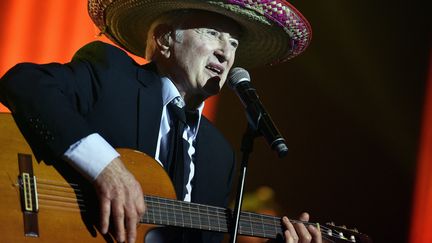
(28, 195)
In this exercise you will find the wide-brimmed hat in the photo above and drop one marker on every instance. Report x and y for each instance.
(273, 31)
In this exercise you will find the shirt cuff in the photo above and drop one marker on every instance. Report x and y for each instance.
(91, 155)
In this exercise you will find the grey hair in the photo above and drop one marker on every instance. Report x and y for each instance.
(175, 19)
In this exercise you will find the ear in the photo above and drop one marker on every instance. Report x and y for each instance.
(163, 39)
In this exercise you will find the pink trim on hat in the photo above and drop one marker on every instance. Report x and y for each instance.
(286, 16)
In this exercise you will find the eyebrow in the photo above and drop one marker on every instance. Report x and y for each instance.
(235, 36)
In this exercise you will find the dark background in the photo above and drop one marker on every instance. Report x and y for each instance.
(350, 109)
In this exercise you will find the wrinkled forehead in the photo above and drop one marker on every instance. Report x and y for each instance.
(204, 19)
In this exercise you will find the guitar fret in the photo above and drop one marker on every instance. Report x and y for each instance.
(173, 213)
(182, 218)
(259, 225)
(199, 218)
(168, 212)
(199, 215)
(275, 226)
(208, 218)
(219, 226)
(178, 214)
(190, 215)
(250, 225)
(160, 212)
(154, 220)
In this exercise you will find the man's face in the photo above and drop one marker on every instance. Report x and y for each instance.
(203, 54)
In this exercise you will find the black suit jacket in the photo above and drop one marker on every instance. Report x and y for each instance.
(103, 90)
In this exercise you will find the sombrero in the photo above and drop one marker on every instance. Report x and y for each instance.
(273, 30)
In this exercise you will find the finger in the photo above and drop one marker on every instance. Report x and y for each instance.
(316, 234)
(302, 231)
(140, 204)
(105, 210)
(313, 230)
(290, 228)
(288, 237)
(304, 216)
(131, 224)
(118, 220)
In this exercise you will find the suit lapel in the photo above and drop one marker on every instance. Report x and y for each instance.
(204, 172)
(149, 109)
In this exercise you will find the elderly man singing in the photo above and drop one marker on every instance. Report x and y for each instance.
(103, 100)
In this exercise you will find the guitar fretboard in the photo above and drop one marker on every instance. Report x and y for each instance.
(170, 212)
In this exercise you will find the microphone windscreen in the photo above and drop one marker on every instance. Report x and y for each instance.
(236, 76)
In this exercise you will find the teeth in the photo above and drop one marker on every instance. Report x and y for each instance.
(214, 69)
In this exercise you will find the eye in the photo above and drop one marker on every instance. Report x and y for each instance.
(212, 32)
(234, 43)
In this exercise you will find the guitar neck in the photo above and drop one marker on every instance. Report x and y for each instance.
(162, 211)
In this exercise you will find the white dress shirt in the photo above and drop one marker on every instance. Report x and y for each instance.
(92, 154)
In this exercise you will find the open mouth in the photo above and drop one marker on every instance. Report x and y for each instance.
(216, 69)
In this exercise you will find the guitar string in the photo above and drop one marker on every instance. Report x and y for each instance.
(66, 186)
(75, 188)
(254, 219)
(271, 224)
(47, 190)
(62, 194)
(269, 229)
(74, 203)
(221, 227)
(56, 188)
(57, 207)
(58, 183)
(53, 197)
(194, 216)
(174, 203)
(323, 228)
(266, 233)
(49, 183)
(277, 220)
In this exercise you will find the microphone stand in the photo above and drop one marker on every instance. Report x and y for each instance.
(246, 148)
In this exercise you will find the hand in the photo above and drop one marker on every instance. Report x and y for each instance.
(121, 198)
(299, 233)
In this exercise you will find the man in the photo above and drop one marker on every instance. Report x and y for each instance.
(81, 110)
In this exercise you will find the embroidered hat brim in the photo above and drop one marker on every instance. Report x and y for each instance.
(273, 31)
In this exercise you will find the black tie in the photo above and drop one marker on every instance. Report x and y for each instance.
(176, 155)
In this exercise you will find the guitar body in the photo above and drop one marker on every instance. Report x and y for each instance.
(60, 218)
(53, 203)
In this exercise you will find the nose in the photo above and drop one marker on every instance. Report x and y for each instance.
(220, 55)
(225, 51)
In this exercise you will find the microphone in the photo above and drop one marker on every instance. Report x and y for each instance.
(258, 118)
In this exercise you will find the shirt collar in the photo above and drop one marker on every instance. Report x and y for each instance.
(170, 91)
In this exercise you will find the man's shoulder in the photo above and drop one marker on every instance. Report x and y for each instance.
(104, 55)
(110, 63)
(98, 56)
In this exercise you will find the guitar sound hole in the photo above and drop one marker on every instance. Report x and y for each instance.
(163, 235)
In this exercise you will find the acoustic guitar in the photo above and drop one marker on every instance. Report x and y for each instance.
(41, 202)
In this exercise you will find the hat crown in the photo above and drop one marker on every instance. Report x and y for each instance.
(274, 30)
